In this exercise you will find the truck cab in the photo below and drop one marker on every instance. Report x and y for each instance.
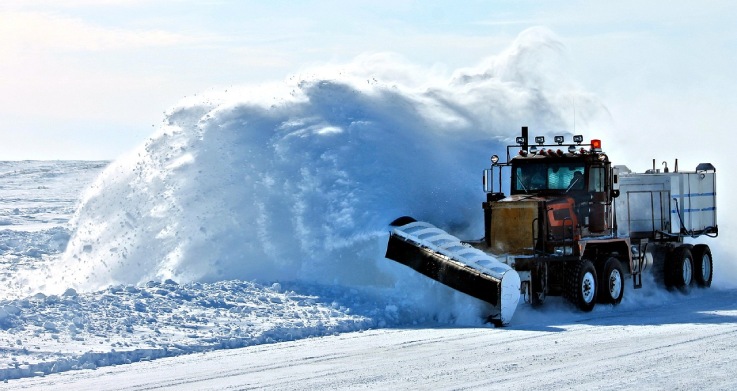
(584, 178)
(556, 198)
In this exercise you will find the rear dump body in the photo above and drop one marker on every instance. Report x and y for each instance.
(442, 257)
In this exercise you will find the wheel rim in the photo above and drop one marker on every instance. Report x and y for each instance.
(588, 287)
(705, 267)
(615, 284)
(687, 272)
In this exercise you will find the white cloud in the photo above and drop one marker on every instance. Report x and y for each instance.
(35, 31)
(26, 4)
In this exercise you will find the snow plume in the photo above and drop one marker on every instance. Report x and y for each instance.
(298, 180)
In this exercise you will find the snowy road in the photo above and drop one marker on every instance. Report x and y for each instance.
(689, 343)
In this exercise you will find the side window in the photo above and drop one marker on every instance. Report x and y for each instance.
(596, 179)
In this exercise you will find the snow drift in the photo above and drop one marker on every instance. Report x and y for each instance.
(299, 180)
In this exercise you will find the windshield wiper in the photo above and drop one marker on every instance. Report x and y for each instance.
(575, 180)
(523, 185)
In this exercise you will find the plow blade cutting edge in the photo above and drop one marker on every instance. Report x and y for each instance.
(442, 257)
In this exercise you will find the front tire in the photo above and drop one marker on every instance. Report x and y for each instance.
(611, 284)
(581, 286)
(703, 265)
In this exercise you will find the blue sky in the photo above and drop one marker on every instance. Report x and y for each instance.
(91, 79)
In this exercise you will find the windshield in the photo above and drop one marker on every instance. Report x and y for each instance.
(533, 177)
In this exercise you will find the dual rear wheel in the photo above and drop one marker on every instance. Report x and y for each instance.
(612, 282)
(584, 286)
(687, 266)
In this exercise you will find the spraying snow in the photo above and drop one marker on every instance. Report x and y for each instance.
(300, 180)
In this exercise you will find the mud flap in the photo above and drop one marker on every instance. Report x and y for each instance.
(442, 257)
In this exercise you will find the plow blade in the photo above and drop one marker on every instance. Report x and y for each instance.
(442, 257)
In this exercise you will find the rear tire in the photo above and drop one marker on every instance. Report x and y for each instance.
(703, 265)
(581, 284)
(611, 282)
(681, 268)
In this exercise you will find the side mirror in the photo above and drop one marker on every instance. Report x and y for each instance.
(615, 182)
(488, 181)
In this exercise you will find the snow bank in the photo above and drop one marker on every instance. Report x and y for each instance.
(124, 323)
(298, 180)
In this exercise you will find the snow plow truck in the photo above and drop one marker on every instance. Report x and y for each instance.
(573, 225)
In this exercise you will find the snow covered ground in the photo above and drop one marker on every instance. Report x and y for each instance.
(257, 219)
(686, 344)
(311, 336)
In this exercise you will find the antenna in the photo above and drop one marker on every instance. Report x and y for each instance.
(574, 114)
